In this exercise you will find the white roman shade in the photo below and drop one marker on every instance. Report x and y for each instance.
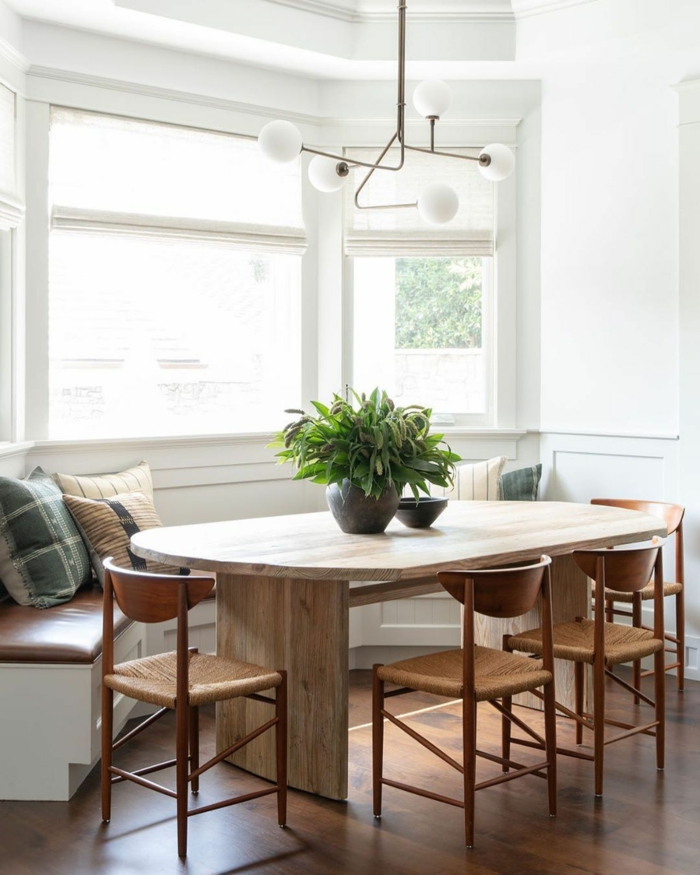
(11, 210)
(403, 232)
(113, 175)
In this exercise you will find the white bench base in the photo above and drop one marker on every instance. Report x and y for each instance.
(50, 716)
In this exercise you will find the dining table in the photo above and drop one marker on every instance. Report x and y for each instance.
(286, 584)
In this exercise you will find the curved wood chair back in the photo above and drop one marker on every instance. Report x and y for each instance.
(671, 514)
(153, 598)
(625, 569)
(499, 592)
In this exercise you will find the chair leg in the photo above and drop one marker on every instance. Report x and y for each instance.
(281, 739)
(377, 740)
(598, 721)
(550, 736)
(579, 687)
(660, 706)
(680, 635)
(194, 747)
(469, 747)
(637, 664)
(107, 729)
(182, 719)
(506, 725)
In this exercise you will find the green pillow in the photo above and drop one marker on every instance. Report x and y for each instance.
(43, 559)
(520, 485)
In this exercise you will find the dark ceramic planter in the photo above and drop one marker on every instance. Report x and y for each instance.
(358, 514)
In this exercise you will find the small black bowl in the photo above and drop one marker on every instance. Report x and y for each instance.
(423, 514)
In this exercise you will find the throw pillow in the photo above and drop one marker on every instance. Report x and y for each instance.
(521, 485)
(43, 559)
(136, 479)
(109, 523)
(479, 482)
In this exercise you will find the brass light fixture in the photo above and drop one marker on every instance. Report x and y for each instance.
(437, 202)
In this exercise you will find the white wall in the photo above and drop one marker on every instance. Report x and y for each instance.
(609, 250)
(617, 410)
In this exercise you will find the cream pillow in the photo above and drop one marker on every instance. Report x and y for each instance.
(136, 479)
(479, 482)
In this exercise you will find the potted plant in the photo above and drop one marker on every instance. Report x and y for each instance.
(366, 452)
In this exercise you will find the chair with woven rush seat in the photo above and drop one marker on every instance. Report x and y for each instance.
(180, 681)
(476, 674)
(672, 515)
(603, 645)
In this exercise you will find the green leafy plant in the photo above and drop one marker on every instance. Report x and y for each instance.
(371, 443)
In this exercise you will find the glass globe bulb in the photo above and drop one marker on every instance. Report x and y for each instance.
(432, 98)
(323, 174)
(438, 203)
(502, 162)
(280, 141)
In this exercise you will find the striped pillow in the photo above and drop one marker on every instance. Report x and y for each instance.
(109, 523)
(136, 479)
(43, 560)
(479, 482)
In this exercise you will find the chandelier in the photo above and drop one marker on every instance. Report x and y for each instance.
(437, 202)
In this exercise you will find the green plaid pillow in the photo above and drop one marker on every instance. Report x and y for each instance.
(43, 559)
(520, 485)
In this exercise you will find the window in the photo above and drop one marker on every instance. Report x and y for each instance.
(438, 352)
(423, 296)
(175, 281)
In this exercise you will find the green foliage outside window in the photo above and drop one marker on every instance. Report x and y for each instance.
(438, 303)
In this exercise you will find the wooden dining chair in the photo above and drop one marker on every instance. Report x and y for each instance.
(603, 645)
(672, 515)
(180, 681)
(476, 674)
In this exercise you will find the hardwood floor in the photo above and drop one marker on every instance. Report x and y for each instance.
(647, 823)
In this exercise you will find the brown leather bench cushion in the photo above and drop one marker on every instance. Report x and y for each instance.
(69, 633)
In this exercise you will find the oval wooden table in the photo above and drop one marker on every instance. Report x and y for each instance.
(283, 600)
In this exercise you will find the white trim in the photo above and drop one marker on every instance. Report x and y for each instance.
(11, 211)
(7, 450)
(126, 87)
(201, 442)
(530, 8)
(609, 434)
(197, 99)
(12, 56)
(70, 447)
(342, 10)
(688, 85)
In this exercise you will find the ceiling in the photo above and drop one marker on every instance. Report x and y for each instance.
(318, 38)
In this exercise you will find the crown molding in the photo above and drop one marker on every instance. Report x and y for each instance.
(12, 56)
(531, 8)
(345, 11)
(85, 79)
(355, 11)
(688, 85)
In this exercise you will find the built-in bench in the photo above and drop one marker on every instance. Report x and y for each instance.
(50, 679)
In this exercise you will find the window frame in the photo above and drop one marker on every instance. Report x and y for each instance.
(144, 227)
(502, 316)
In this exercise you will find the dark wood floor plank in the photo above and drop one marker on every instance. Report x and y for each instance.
(648, 822)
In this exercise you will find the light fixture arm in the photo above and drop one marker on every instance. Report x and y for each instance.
(437, 202)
